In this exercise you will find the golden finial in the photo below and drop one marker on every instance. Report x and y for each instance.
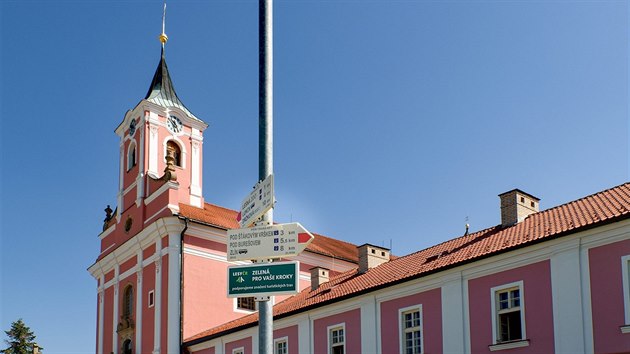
(163, 37)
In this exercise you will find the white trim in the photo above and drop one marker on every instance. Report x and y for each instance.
(115, 310)
(130, 187)
(132, 143)
(166, 186)
(305, 334)
(566, 296)
(509, 345)
(401, 338)
(106, 232)
(237, 309)
(625, 276)
(369, 332)
(154, 131)
(101, 313)
(150, 219)
(329, 330)
(139, 308)
(493, 296)
(453, 314)
(174, 285)
(239, 350)
(587, 312)
(625, 329)
(279, 340)
(182, 149)
(157, 323)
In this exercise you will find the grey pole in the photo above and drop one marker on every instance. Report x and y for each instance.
(265, 145)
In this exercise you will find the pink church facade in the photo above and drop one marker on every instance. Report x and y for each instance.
(552, 281)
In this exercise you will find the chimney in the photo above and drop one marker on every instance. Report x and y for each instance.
(319, 276)
(516, 205)
(371, 256)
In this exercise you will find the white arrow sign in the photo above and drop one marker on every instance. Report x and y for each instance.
(267, 242)
(257, 203)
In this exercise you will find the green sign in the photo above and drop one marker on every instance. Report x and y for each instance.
(266, 279)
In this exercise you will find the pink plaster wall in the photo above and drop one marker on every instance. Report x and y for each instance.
(148, 313)
(128, 264)
(292, 340)
(607, 297)
(352, 320)
(246, 343)
(108, 319)
(536, 279)
(164, 295)
(431, 302)
(206, 304)
(206, 351)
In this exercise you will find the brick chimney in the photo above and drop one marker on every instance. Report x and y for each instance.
(371, 256)
(516, 205)
(319, 276)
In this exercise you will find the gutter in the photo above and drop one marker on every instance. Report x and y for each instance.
(181, 285)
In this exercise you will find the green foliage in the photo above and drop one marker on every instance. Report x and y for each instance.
(21, 339)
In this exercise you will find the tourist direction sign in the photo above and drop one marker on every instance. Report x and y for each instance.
(266, 279)
(267, 242)
(257, 203)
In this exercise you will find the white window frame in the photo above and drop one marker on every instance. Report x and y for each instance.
(329, 331)
(244, 310)
(495, 315)
(280, 340)
(401, 328)
(132, 145)
(239, 350)
(625, 275)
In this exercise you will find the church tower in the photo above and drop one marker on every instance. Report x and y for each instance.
(160, 136)
(138, 270)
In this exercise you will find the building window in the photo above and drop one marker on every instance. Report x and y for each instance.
(246, 303)
(337, 339)
(128, 301)
(508, 313)
(131, 155)
(281, 346)
(240, 350)
(625, 273)
(151, 298)
(173, 148)
(411, 330)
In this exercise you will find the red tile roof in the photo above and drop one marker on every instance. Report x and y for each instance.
(595, 210)
(226, 219)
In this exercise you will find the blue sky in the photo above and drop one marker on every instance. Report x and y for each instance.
(395, 121)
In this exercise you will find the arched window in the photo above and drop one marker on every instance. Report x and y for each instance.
(126, 349)
(172, 147)
(131, 155)
(128, 302)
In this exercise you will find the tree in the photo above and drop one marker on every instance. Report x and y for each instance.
(21, 340)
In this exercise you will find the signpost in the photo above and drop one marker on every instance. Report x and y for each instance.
(267, 242)
(257, 203)
(268, 279)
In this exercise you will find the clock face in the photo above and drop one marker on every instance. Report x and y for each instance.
(174, 124)
(132, 127)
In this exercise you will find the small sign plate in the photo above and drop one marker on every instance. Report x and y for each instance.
(263, 279)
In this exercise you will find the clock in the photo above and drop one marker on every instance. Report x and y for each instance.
(132, 127)
(174, 124)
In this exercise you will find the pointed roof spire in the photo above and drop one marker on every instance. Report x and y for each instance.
(161, 90)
